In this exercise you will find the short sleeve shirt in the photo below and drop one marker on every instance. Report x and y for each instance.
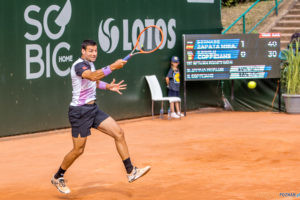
(174, 77)
(81, 67)
(84, 90)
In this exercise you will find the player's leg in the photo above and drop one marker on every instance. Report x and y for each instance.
(110, 127)
(78, 149)
(58, 179)
(81, 119)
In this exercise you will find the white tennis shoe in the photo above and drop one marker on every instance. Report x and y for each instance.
(60, 185)
(180, 114)
(174, 115)
(137, 173)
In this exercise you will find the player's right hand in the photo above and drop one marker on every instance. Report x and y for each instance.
(118, 64)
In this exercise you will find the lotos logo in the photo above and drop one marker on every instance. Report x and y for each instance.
(110, 38)
(108, 35)
(35, 60)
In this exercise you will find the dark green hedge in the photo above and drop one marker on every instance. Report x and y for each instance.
(229, 3)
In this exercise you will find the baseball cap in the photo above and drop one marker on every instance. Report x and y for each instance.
(175, 59)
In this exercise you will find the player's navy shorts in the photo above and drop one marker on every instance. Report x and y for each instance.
(83, 118)
(173, 93)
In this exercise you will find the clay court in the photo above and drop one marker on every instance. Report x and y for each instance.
(216, 155)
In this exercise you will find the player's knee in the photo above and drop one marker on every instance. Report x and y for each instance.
(78, 151)
(81, 150)
(119, 135)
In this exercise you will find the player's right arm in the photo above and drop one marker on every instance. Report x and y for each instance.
(101, 73)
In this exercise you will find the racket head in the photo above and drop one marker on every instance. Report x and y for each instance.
(139, 46)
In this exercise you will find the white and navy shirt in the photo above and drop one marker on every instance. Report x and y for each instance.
(84, 90)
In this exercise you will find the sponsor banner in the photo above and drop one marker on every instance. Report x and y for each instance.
(37, 51)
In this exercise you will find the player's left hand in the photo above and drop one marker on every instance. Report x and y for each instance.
(116, 87)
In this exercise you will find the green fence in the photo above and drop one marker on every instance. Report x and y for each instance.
(40, 39)
(243, 16)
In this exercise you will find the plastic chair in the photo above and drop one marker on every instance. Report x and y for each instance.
(156, 93)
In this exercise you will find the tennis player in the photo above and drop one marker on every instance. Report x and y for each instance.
(84, 114)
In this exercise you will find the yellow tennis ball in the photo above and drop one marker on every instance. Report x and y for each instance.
(251, 84)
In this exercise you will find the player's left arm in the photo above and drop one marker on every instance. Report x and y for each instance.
(115, 87)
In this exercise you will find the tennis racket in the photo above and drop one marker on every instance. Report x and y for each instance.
(152, 43)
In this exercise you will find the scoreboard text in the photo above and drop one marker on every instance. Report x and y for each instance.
(232, 56)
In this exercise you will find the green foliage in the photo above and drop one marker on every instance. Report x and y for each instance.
(290, 72)
(229, 3)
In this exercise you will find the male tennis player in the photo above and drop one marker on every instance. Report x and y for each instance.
(84, 114)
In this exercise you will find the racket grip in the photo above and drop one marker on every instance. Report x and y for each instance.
(127, 57)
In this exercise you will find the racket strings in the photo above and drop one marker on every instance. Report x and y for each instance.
(149, 40)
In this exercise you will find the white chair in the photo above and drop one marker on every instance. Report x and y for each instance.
(156, 93)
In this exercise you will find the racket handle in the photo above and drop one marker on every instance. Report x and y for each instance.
(127, 57)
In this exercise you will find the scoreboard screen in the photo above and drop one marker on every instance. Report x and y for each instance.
(232, 56)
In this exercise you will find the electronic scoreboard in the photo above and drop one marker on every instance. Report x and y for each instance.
(231, 56)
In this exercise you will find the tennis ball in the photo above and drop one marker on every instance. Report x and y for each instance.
(251, 84)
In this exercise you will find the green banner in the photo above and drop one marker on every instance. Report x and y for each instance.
(41, 39)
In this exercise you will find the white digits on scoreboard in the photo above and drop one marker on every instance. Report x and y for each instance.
(272, 54)
(243, 54)
(272, 43)
(243, 43)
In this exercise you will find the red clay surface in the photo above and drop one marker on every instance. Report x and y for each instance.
(222, 156)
